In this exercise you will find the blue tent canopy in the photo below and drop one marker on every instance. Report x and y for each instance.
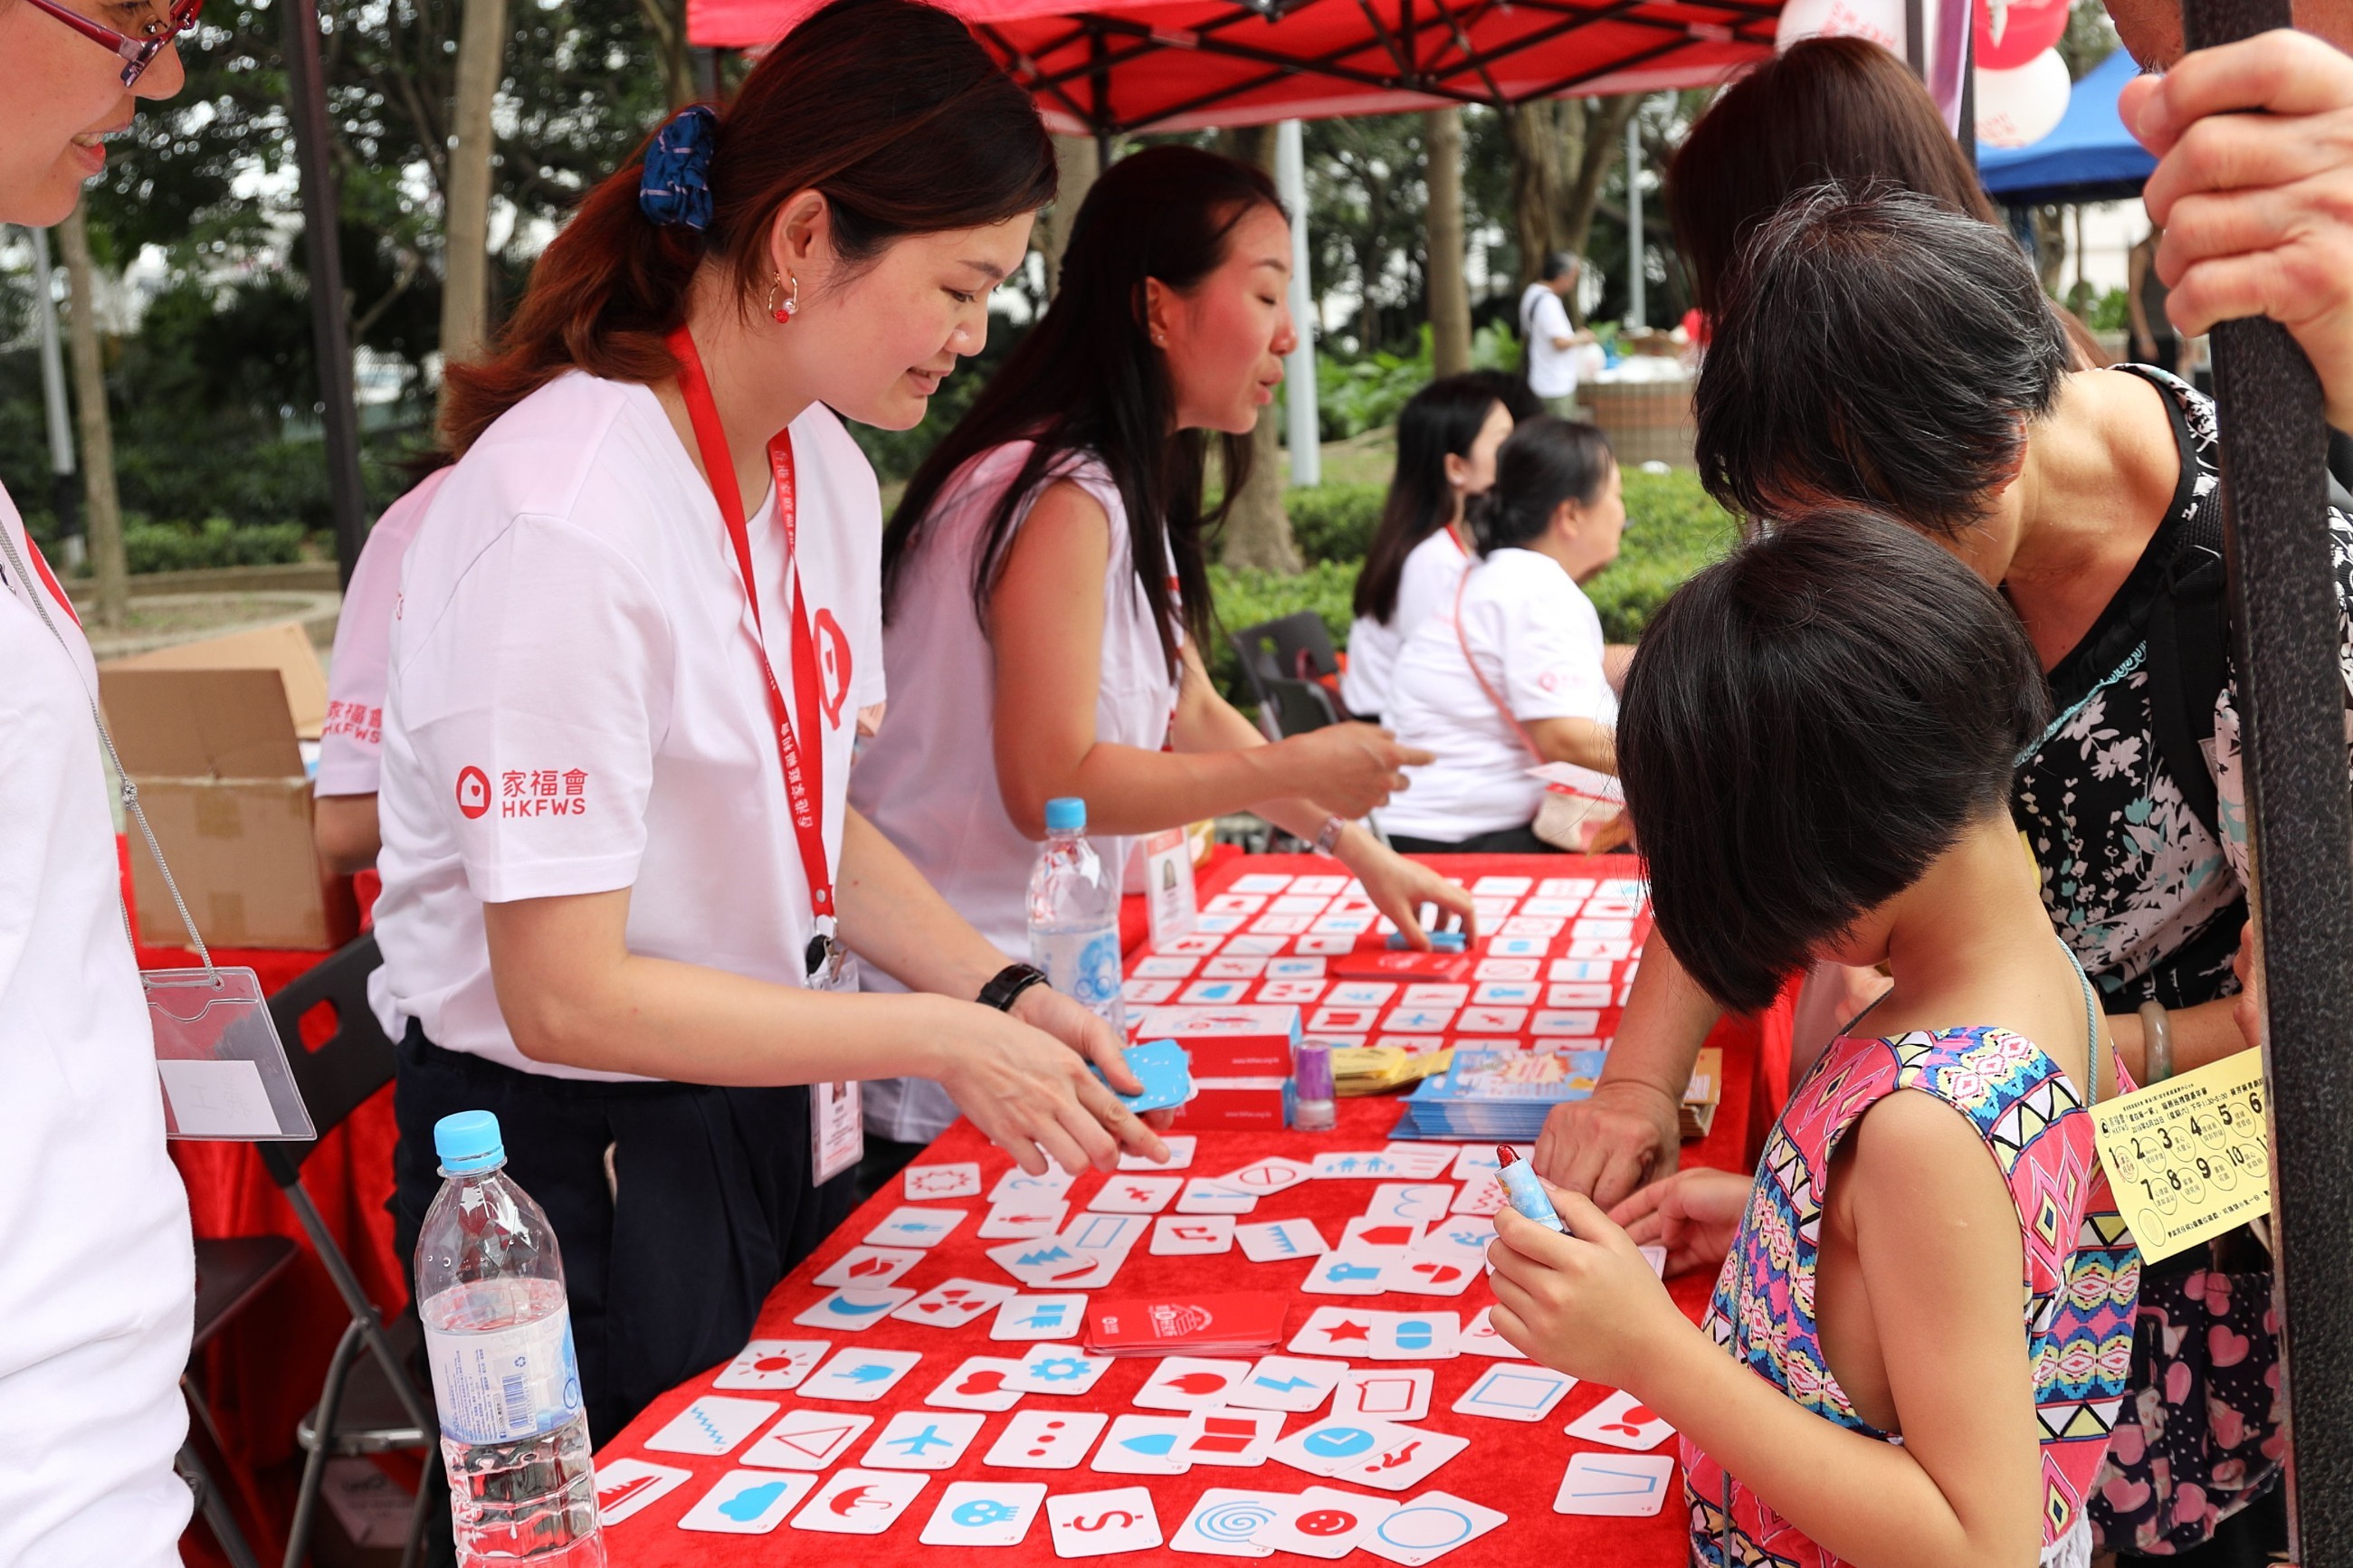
(2088, 157)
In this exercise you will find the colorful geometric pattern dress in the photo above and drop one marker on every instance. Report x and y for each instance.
(2082, 1272)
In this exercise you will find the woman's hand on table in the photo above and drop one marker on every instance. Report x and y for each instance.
(1692, 1214)
(1626, 1132)
(1032, 1094)
(1586, 1303)
(1399, 887)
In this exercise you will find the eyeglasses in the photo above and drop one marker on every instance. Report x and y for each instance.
(137, 53)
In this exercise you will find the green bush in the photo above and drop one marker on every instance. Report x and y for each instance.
(1334, 522)
(217, 541)
(1357, 395)
(1672, 529)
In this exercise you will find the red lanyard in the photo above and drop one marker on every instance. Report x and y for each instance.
(803, 772)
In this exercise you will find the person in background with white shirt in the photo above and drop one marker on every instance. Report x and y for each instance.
(1446, 439)
(1514, 671)
(97, 1270)
(633, 636)
(1556, 350)
(1047, 592)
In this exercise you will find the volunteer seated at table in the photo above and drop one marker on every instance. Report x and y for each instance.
(1046, 592)
(1446, 439)
(1512, 671)
(2092, 498)
(350, 744)
(97, 1273)
(634, 635)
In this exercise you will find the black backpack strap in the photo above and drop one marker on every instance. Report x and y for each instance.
(2189, 649)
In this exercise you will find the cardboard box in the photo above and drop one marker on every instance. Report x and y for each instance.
(1231, 1104)
(1252, 1040)
(210, 732)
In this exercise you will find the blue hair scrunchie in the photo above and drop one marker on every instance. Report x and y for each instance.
(675, 189)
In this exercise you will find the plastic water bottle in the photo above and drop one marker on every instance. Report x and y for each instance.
(514, 1437)
(1074, 915)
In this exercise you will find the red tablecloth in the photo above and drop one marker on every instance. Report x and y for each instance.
(1512, 1468)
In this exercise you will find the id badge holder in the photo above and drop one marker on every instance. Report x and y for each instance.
(222, 1064)
(837, 1119)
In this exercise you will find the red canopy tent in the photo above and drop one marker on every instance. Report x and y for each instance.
(1127, 66)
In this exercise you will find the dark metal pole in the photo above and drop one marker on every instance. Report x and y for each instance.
(2284, 616)
(330, 329)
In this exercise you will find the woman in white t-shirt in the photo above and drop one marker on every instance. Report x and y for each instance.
(1446, 439)
(1046, 587)
(1513, 672)
(97, 1273)
(632, 640)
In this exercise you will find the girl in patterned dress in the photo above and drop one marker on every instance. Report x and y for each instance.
(1920, 1332)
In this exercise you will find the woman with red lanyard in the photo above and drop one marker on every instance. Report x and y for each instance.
(97, 1273)
(621, 884)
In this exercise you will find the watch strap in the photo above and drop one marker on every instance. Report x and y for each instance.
(1006, 986)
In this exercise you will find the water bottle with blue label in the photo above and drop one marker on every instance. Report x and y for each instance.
(514, 1436)
(1074, 915)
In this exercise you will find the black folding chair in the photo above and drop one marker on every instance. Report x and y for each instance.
(232, 1272)
(1295, 647)
(369, 1403)
(1288, 707)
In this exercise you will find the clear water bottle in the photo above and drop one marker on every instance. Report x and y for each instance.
(1074, 915)
(514, 1437)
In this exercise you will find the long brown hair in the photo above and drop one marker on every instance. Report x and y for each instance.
(887, 108)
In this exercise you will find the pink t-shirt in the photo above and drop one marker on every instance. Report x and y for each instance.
(351, 745)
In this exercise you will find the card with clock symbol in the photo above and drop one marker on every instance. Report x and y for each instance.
(953, 1303)
(1621, 1421)
(1056, 1316)
(979, 1384)
(1514, 1392)
(626, 1486)
(1046, 1439)
(1050, 1368)
(806, 1440)
(712, 1426)
(861, 1376)
(1225, 1523)
(855, 1307)
(1143, 1446)
(1428, 1527)
(1387, 1394)
(1327, 1522)
(747, 1502)
(861, 1502)
(1190, 1383)
(1400, 1464)
(954, 1180)
(772, 1364)
(1287, 1382)
(1189, 1235)
(1097, 1524)
(923, 1440)
(870, 1265)
(908, 1226)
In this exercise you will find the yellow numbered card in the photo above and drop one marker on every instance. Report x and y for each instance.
(2189, 1158)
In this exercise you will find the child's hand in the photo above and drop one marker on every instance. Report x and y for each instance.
(1693, 1214)
(1586, 1303)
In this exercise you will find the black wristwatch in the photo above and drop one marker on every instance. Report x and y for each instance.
(1006, 986)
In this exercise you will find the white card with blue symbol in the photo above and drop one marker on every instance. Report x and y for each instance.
(861, 1502)
(1621, 1486)
(1143, 1446)
(1226, 1523)
(1329, 1447)
(861, 1376)
(855, 1307)
(1050, 1368)
(1058, 1317)
(1427, 1527)
(985, 1513)
(748, 1502)
(1287, 1382)
(1018, 1186)
(923, 1440)
(712, 1426)
(1281, 1241)
(1416, 1336)
(1353, 1271)
(1508, 1392)
(910, 1226)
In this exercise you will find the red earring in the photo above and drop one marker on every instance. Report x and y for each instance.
(783, 299)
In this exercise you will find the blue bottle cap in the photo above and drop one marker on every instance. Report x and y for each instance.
(1066, 813)
(469, 1141)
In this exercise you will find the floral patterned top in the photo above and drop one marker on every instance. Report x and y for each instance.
(2134, 881)
(2081, 1274)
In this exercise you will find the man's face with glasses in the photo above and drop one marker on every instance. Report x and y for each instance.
(74, 69)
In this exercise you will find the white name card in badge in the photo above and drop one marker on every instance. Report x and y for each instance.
(1168, 897)
(223, 1067)
(836, 1125)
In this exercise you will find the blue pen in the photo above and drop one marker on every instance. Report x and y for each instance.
(1525, 1192)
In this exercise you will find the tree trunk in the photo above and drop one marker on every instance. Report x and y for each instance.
(666, 26)
(466, 218)
(106, 556)
(1545, 136)
(1605, 139)
(1075, 162)
(1449, 290)
(2051, 249)
(1258, 530)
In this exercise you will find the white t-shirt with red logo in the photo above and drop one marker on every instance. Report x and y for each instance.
(1538, 642)
(575, 702)
(1424, 585)
(351, 745)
